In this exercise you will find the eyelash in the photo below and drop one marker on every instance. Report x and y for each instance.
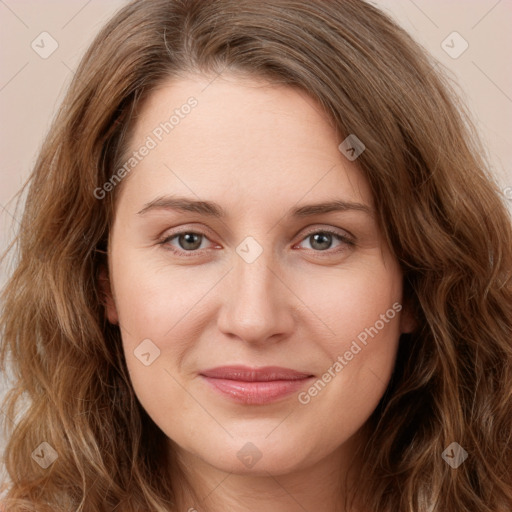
(165, 241)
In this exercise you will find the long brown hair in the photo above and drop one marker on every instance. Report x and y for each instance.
(438, 208)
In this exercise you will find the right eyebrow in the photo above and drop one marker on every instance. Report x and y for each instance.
(208, 208)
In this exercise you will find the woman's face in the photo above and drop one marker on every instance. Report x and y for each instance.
(260, 331)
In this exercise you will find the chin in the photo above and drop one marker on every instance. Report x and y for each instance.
(258, 457)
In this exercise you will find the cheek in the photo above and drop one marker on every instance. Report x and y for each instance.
(349, 300)
(363, 309)
(153, 300)
(167, 306)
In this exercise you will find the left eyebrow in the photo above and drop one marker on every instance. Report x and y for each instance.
(330, 206)
(212, 209)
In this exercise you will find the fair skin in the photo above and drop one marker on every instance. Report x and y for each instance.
(258, 151)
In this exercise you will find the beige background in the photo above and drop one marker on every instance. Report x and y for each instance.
(31, 87)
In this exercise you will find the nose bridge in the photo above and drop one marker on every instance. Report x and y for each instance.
(253, 279)
(255, 307)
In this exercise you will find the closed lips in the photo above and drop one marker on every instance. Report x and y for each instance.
(255, 386)
(245, 374)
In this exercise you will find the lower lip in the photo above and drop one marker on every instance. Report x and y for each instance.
(256, 393)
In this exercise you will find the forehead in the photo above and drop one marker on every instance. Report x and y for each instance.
(229, 138)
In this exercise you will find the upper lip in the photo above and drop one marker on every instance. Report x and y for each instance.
(248, 374)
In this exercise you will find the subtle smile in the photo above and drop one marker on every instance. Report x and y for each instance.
(255, 386)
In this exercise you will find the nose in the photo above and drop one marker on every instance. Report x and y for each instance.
(258, 307)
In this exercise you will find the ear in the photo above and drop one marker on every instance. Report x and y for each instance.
(107, 296)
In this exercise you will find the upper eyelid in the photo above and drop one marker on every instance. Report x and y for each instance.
(330, 229)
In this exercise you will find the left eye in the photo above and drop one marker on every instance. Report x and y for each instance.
(323, 240)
